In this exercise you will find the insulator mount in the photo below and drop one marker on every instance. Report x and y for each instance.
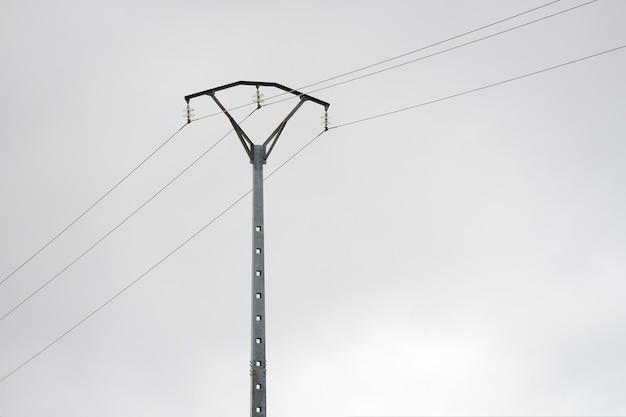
(258, 98)
(188, 113)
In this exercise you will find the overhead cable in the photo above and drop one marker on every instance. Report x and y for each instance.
(440, 52)
(132, 171)
(478, 89)
(272, 173)
(120, 292)
(413, 52)
(119, 224)
(420, 49)
(308, 86)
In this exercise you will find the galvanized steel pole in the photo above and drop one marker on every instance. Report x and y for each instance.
(257, 363)
(258, 155)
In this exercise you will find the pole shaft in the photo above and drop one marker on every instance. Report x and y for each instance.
(257, 364)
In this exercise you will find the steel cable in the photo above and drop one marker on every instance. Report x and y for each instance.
(119, 224)
(272, 173)
(440, 52)
(92, 206)
(323, 88)
(478, 89)
(412, 52)
(189, 239)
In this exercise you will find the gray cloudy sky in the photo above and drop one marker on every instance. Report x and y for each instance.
(462, 258)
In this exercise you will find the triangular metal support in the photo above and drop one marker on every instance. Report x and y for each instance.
(248, 145)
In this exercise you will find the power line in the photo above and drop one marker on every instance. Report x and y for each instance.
(415, 51)
(124, 289)
(119, 224)
(308, 86)
(479, 88)
(273, 172)
(120, 292)
(92, 206)
(445, 50)
(427, 47)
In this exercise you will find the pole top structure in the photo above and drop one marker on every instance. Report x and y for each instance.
(248, 145)
(258, 155)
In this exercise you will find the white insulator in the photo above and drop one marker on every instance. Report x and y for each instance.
(258, 98)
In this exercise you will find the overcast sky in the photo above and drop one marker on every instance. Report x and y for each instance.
(466, 257)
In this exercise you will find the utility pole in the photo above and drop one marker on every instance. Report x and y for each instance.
(258, 155)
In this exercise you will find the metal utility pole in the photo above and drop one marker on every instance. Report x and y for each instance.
(258, 155)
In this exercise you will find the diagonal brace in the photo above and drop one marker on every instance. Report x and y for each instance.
(279, 130)
(248, 145)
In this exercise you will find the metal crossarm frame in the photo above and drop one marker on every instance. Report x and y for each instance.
(257, 84)
(258, 155)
